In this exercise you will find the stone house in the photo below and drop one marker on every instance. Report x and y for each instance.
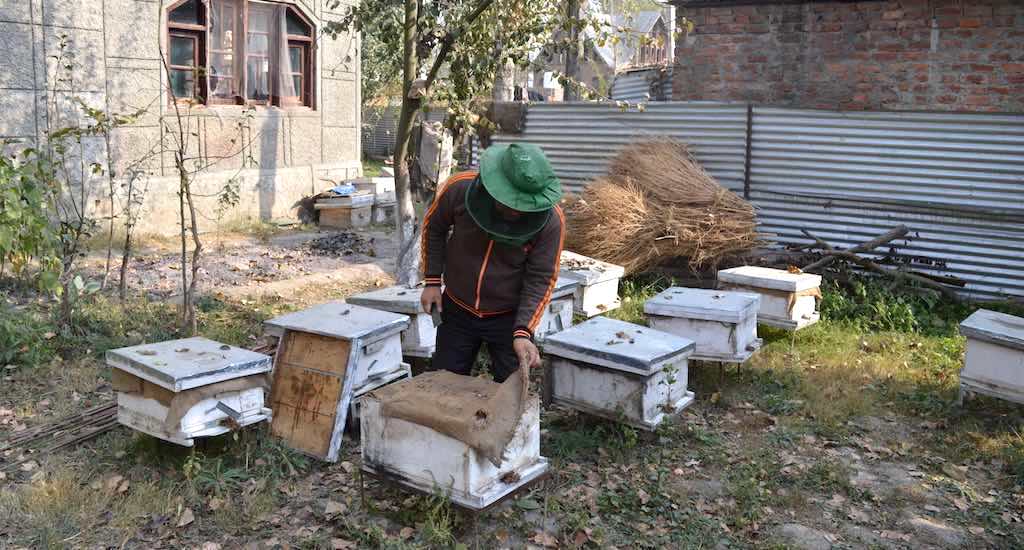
(268, 100)
(948, 55)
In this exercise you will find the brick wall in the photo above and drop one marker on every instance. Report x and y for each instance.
(957, 55)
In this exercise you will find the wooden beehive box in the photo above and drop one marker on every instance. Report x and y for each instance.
(325, 355)
(788, 300)
(425, 460)
(722, 323)
(418, 339)
(344, 217)
(620, 371)
(559, 313)
(598, 290)
(994, 362)
(193, 387)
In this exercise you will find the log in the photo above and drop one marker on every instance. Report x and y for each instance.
(897, 232)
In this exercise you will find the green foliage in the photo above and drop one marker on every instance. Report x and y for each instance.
(27, 234)
(26, 340)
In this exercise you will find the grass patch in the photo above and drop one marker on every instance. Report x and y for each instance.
(372, 168)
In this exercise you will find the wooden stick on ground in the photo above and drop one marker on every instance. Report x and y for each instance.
(849, 255)
(897, 232)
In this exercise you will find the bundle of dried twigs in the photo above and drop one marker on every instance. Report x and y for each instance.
(658, 203)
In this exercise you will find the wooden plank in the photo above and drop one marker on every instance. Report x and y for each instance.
(314, 351)
(303, 430)
(306, 389)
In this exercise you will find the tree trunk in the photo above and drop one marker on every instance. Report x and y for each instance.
(407, 264)
(572, 66)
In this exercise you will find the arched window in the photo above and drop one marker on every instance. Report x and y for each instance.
(240, 52)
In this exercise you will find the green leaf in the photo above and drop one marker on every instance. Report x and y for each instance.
(528, 504)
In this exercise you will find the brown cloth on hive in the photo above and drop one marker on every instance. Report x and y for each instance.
(478, 412)
(179, 403)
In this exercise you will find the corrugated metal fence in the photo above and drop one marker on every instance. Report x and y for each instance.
(957, 180)
(636, 86)
(379, 127)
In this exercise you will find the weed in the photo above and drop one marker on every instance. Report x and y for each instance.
(25, 338)
(634, 292)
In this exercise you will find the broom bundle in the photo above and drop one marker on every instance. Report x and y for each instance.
(656, 204)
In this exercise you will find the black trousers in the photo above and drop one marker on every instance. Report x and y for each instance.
(459, 338)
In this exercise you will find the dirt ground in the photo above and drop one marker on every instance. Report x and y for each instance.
(834, 437)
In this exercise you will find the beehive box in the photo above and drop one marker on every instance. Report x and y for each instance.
(418, 339)
(723, 324)
(994, 362)
(384, 213)
(353, 409)
(383, 188)
(618, 370)
(183, 389)
(344, 217)
(325, 355)
(558, 315)
(788, 300)
(425, 460)
(598, 289)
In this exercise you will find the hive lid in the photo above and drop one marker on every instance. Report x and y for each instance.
(618, 345)
(341, 320)
(188, 363)
(766, 277)
(588, 271)
(994, 327)
(707, 305)
(564, 286)
(396, 299)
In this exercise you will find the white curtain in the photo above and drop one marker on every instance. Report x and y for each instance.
(224, 62)
(283, 78)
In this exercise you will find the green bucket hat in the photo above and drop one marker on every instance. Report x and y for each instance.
(519, 177)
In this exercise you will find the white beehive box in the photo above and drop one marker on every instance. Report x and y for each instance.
(327, 354)
(558, 315)
(598, 290)
(722, 323)
(418, 339)
(378, 186)
(384, 213)
(994, 362)
(355, 200)
(425, 460)
(788, 300)
(194, 387)
(369, 386)
(621, 371)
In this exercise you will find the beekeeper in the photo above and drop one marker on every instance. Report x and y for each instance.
(491, 246)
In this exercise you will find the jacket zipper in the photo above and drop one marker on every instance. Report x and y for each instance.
(480, 278)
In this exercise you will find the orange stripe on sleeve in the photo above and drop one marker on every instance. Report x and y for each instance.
(537, 315)
(433, 208)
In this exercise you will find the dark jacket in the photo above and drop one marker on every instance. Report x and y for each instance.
(482, 276)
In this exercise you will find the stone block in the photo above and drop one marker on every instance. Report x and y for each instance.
(17, 108)
(226, 140)
(15, 11)
(303, 140)
(338, 101)
(135, 148)
(341, 144)
(82, 51)
(267, 141)
(132, 90)
(65, 109)
(16, 43)
(80, 14)
(132, 29)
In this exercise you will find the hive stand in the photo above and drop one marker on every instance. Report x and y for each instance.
(788, 300)
(422, 459)
(559, 314)
(994, 362)
(620, 371)
(419, 339)
(325, 355)
(220, 385)
(723, 324)
(598, 290)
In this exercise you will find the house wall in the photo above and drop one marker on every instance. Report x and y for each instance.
(277, 156)
(956, 55)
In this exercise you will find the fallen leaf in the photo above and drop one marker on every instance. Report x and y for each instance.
(679, 471)
(342, 544)
(333, 508)
(112, 482)
(49, 335)
(581, 537)
(406, 533)
(28, 466)
(644, 497)
(186, 518)
(961, 504)
(545, 540)
(958, 473)
(122, 488)
(933, 509)
(347, 466)
(215, 503)
(976, 530)
(894, 535)
(210, 546)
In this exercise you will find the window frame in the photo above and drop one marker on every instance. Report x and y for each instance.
(200, 34)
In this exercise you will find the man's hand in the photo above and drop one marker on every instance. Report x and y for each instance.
(431, 297)
(527, 353)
